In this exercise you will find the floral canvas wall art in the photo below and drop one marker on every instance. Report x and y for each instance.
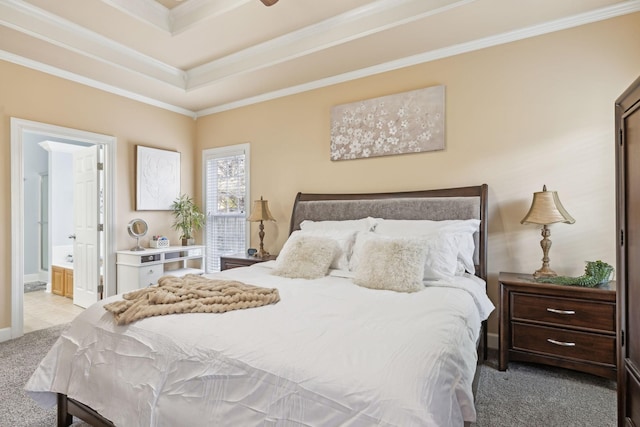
(408, 122)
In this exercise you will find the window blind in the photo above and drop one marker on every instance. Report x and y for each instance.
(226, 194)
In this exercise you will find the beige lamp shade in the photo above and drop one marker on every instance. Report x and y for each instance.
(260, 211)
(546, 209)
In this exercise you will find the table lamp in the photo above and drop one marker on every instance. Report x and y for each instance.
(546, 209)
(260, 212)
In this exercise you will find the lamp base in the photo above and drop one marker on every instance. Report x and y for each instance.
(262, 254)
(545, 244)
(544, 272)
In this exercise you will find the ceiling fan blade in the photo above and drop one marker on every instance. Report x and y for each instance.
(269, 2)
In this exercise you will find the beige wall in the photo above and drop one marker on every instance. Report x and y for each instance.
(534, 112)
(528, 113)
(31, 95)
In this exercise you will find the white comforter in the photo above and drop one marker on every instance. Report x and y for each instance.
(330, 353)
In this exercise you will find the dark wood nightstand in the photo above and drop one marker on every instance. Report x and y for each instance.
(567, 326)
(241, 260)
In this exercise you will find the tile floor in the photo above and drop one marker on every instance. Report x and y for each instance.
(43, 310)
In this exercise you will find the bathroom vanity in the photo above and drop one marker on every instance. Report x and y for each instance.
(62, 281)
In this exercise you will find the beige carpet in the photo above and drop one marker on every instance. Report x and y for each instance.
(530, 395)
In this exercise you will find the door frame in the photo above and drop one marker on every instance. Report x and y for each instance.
(18, 128)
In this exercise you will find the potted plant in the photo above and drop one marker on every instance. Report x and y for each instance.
(188, 218)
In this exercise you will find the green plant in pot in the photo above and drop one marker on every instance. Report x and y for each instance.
(188, 218)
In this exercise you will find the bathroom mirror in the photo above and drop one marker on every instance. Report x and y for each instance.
(137, 228)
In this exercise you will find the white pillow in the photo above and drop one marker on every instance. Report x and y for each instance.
(358, 251)
(364, 224)
(440, 253)
(391, 264)
(462, 228)
(305, 257)
(466, 248)
(442, 256)
(345, 240)
(409, 227)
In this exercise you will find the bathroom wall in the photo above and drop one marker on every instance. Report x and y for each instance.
(61, 182)
(36, 163)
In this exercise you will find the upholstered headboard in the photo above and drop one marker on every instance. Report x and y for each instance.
(452, 203)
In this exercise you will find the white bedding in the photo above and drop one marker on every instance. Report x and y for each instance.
(329, 353)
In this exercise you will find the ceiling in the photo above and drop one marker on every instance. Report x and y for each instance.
(198, 57)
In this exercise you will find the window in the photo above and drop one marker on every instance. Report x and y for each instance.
(226, 188)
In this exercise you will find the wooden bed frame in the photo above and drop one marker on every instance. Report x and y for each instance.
(367, 205)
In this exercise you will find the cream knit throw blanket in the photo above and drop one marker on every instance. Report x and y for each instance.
(189, 294)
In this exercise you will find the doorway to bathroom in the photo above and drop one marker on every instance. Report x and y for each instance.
(62, 204)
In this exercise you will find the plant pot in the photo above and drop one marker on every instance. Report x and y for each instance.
(188, 242)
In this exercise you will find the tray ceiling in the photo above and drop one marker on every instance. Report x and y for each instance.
(198, 57)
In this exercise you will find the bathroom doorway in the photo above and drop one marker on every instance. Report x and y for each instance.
(26, 137)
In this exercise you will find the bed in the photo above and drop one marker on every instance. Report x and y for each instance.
(336, 349)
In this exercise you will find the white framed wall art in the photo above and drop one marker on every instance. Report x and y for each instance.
(157, 178)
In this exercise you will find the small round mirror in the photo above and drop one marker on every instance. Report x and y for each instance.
(137, 228)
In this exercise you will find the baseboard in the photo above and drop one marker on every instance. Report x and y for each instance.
(35, 277)
(5, 334)
(492, 341)
(43, 276)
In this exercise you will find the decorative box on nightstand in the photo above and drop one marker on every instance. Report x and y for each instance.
(567, 326)
(241, 260)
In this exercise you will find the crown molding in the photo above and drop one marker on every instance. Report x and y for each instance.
(180, 18)
(625, 8)
(148, 11)
(164, 73)
(378, 16)
(186, 15)
(352, 25)
(57, 72)
(35, 22)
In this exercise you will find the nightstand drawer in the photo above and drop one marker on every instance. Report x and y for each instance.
(591, 315)
(567, 344)
(227, 265)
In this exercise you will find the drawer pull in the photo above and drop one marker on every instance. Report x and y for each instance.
(556, 311)
(562, 343)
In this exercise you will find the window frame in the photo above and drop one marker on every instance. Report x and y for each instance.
(226, 151)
